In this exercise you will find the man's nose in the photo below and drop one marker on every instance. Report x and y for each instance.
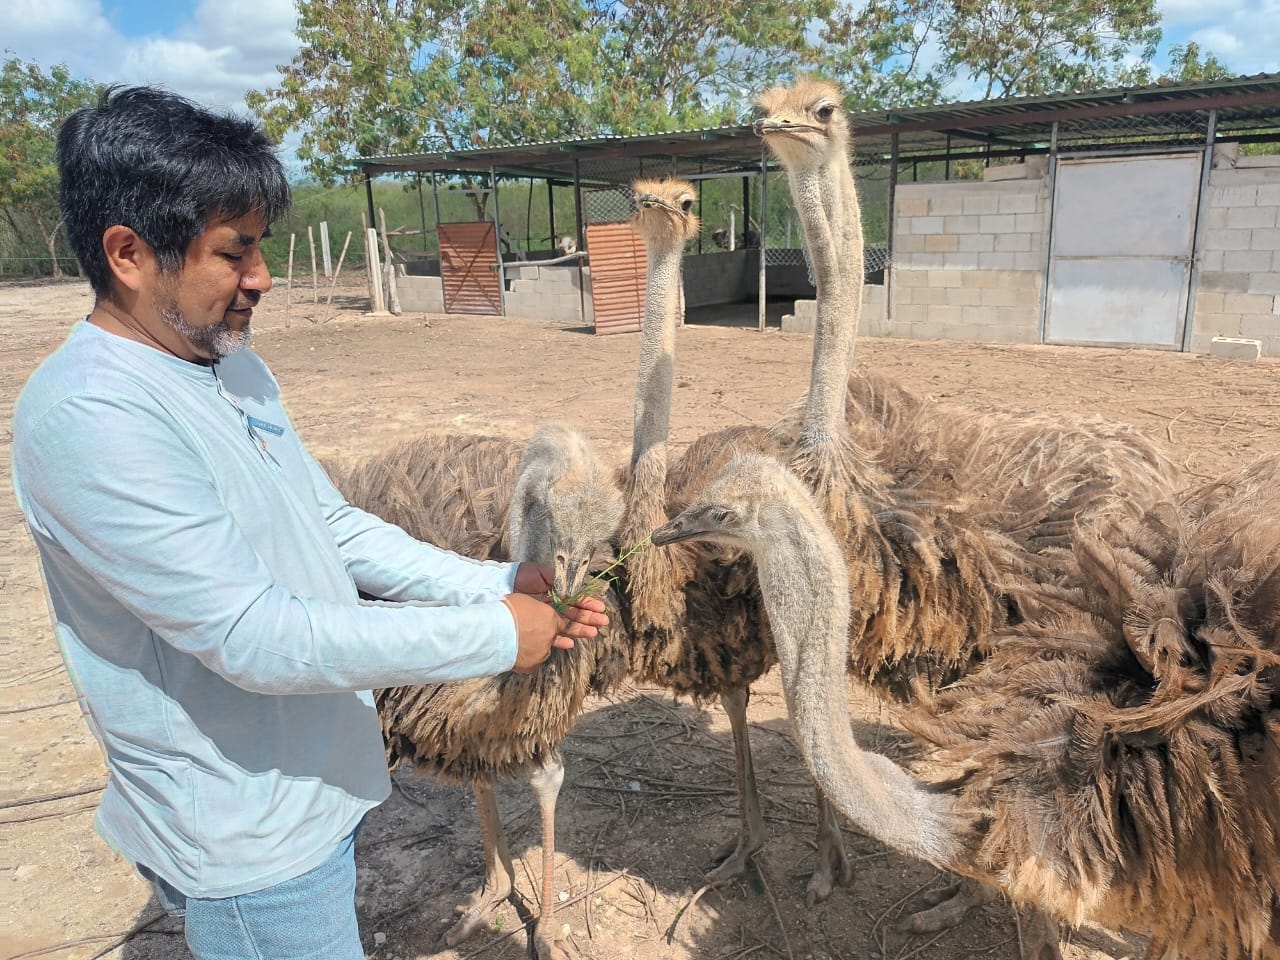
(257, 276)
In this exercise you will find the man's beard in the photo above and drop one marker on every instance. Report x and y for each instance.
(217, 340)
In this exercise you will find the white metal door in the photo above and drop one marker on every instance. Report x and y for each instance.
(1120, 250)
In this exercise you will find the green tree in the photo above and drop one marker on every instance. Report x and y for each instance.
(378, 77)
(1187, 63)
(1006, 47)
(33, 103)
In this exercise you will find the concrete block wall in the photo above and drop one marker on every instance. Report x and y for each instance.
(968, 260)
(549, 293)
(420, 294)
(1238, 289)
(871, 322)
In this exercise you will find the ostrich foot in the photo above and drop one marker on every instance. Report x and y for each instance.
(733, 859)
(833, 865)
(953, 905)
(549, 942)
(1040, 936)
(475, 912)
(833, 868)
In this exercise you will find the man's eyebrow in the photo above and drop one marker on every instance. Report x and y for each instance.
(245, 240)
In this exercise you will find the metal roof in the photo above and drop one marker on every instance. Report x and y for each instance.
(1248, 107)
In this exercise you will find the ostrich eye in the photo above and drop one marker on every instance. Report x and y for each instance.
(825, 112)
(723, 516)
(686, 205)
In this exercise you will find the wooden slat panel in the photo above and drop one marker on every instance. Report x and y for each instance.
(468, 261)
(618, 267)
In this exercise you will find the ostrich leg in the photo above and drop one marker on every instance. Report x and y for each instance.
(736, 854)
(949, 907)
(1040, 936)
(498, 871)
(545, 781)
(833, 863)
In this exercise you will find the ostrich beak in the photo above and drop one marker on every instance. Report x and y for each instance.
(672, 532)
(705, 523)
(649, 201)
(766, 126)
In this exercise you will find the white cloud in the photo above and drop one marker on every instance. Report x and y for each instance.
(56, 31)
(1243, 34)
(227, 48)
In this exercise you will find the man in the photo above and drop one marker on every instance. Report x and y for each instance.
(202, 571)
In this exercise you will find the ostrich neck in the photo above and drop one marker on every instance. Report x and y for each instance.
(803, 581)
(650, 571)
(657, 350)
(828, 206)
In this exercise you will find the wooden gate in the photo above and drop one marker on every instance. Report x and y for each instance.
(618, 270)
(468, 268)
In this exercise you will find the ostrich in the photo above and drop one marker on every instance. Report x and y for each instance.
(1026, 479)
(807, 129)
(1097, 464)
(556, 505)
(1114, 762)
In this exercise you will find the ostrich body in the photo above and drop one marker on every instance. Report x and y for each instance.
(913, 489)
(557, 505)
(554, 503)
(1114, 762)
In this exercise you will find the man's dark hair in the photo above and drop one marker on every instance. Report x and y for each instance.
(163, 166)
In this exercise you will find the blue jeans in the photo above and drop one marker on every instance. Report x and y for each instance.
(311, 917)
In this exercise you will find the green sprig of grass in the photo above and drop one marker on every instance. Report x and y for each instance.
(602, 578)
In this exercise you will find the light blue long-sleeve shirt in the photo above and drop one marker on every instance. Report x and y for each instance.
(202, 575)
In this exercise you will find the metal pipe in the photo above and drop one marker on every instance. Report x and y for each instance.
(368, 190)
(764, 213)
(891, 227)
(1202, 201)
(551, 211)
(577, 203)
(422, 209)
(581, 237)
(497, 238)
(1042, 328)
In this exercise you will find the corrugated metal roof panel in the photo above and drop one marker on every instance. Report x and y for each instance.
(1243, 103)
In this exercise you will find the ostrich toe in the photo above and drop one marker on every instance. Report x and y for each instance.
(733, 858)
(950, 909)
(475, 911)
(550, 944)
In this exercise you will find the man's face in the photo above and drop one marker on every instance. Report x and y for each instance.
(208, 303)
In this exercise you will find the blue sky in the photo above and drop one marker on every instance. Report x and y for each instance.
(215, 50)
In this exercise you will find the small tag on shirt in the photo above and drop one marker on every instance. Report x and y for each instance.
(270, 428)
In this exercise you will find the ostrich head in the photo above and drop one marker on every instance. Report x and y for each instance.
(804, 124)
(664, 210)
(741, 507)
(565, 505)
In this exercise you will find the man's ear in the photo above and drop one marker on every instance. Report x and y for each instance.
(128, 256)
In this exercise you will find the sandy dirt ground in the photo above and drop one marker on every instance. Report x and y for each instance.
(649, 791)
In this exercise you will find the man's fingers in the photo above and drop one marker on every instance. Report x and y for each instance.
(583, 631)
(562, 643)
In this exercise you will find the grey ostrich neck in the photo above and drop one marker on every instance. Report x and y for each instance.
(647, 496)
(827, 203)
(803, 580)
